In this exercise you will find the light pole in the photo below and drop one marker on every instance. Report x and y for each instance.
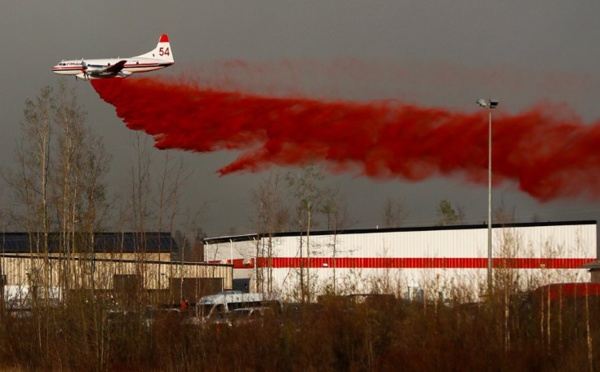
(489, 105)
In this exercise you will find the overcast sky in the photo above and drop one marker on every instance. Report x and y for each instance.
(432, 53)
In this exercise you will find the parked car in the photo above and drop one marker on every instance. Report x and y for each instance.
(249, 315)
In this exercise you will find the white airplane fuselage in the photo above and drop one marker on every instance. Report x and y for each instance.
(88, 69)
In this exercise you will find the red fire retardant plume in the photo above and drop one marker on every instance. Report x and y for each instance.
(548, 154)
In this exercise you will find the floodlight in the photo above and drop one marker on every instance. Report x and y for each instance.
(488, 104)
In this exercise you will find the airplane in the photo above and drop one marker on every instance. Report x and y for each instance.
(158, 58)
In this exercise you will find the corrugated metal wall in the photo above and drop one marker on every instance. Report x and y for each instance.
(538, 241)
(434, 258)
(225, 251)
(78, 273)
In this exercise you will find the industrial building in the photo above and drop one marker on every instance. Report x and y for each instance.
(437, 260)
(110, 262)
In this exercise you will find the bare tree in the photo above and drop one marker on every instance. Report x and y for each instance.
(141, 183)
(59, 165)
(154, 201)
(70, 134)
(394, 212)
(78, 195)
(270, 216)
(307, 191)
(34, 156)
(30, 181)
(170, 178)
(138, 212)
(503, 214)
(334, 207)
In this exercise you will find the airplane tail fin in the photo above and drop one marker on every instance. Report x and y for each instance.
(162, 51)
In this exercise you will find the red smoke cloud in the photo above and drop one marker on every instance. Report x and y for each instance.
(548, 154)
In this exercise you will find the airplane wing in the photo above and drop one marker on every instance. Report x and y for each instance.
(116, 67)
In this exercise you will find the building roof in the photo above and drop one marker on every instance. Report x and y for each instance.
(248, 237)
(106, 242)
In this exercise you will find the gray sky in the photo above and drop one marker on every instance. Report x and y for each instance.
(433, 53)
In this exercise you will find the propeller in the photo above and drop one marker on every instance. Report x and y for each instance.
(84, 68)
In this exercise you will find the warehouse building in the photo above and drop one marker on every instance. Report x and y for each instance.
(127, 263)
(410, 262)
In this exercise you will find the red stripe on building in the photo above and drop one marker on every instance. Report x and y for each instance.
(413, 263)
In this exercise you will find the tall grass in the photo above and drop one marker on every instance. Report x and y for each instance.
(508, 331)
